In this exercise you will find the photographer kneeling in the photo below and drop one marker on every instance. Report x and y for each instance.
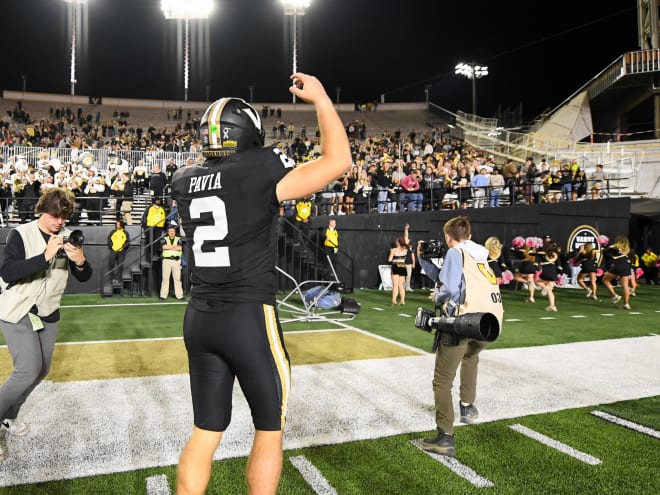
(466, 286)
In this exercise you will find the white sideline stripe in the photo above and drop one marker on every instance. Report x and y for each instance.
(404, 315)
(513, 319)
(158, 485)
(561, 447)
(122, 306)
(312, 476)
(460, 469)
(378, 309)
(154, 339)
(654, 334)
(546, 318)
(628, 424)
(579, 316)
(636, 313)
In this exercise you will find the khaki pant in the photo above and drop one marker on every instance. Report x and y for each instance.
(447, 360)
(126, 208)
(171, 268)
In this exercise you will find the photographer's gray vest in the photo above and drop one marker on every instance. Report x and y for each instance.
(482, 292)
(43, 289)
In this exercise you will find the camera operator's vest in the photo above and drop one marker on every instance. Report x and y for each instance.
(482, 292)
(43, 289)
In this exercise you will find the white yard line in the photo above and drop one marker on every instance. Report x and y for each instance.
(551, 442)
(312, 476)
(158, 485)
(628, 424)
(456, 467)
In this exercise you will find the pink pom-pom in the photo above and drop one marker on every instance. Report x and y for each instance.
(530, 242)
(537, 275)
(518, 242)
(603, 240)
(639, 272)
(599, 272)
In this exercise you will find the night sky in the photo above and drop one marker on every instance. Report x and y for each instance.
(538, 53)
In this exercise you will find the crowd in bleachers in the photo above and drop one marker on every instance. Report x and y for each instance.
(393, 171)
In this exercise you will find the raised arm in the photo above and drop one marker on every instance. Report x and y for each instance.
(335, 156)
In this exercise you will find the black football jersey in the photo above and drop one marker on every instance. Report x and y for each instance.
(228, 209)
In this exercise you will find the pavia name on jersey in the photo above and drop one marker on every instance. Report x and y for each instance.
(208, 182)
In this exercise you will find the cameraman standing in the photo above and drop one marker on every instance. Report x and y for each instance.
(466, 285)
(34, 268)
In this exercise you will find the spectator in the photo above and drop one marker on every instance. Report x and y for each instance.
(566, 181)
(140, 177)
(599, 182)
(479, 183)
(496, 186)
(157, 182)
(411, 193)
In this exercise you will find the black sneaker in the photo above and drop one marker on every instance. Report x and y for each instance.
(441, 444)
(468, 413)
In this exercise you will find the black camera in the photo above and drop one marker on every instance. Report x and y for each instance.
(76, 238)
(477, 326)
(432, 249)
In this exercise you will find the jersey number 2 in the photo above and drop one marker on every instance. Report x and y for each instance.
(216, 232)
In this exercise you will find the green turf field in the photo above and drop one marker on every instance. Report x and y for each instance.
(499, 455)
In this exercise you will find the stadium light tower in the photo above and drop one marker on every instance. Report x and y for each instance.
(186, 10)
(474, 72)
(295, 8)
(75, 8)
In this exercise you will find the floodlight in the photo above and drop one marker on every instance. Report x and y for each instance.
(295, 8)
(186, 9)
(75, 6)
(473, 72)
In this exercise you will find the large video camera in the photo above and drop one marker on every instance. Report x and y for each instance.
(477, 326)
(76, 238)
(432, 249)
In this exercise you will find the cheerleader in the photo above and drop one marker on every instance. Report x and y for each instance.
(550, 269)
(496, 260)
(586, 256)
(527, 270)
(617, 265)
(635, 270)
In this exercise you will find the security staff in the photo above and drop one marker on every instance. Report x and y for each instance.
(331, 240)
(171, 246)
(153, 221)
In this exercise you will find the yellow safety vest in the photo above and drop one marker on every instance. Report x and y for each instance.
(169, 253)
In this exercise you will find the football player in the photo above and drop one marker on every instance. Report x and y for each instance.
(228, 207)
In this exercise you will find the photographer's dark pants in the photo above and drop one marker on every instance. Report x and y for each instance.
(447, 359)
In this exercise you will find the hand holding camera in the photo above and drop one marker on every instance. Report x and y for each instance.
(431, 249)
(71, 247)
